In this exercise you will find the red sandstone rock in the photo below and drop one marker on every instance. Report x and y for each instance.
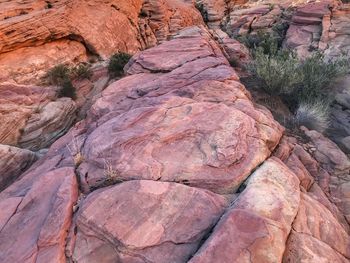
(303, 248)
(337, 164)
(316, 220)
(256, 227)
(17, 104)
(140, 221)
(176, 126)
(13, 161)
(37, 35)
(38, 213)
(48, 124)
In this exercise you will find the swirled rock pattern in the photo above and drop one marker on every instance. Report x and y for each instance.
(46, 33)
(145, 221)
(218, 138)
(13, 161)
(173, 163)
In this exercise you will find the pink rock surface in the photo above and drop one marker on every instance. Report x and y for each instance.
(40, 34)
(140, 221)
(37, 217)
(192, 124)
(316, 220)
(337, 164)
(303, 248)
(13, 161)
(256, 228)
(17, 104)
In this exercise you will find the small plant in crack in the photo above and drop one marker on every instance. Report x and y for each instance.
(112, 175)
(48, 5)
(117, 63)
(75, 151)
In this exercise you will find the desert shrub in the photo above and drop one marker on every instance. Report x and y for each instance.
(280, 31)
(67, 90)
(317, 73)
(200, 7)
(314, 116)
(58, 75)
(117, 63)
(234, 62)
(268, 42)
(278, 72)
(82, 71)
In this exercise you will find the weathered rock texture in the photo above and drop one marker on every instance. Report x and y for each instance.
(218, 137)
(145, 221)
(32, 117)
(46, 33)
(256, 227)
(36, 214)
(173, 164)
(13, 161)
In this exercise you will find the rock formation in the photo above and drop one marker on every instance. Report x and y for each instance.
(174, 161)
(43, 34)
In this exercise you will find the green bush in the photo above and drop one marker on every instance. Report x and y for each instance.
(269, 42)
(314, 116)
(58, 75)
(278, 72)
(67, 90)
(117, 63)
(82, 71)
(317, 73)
(204, 13)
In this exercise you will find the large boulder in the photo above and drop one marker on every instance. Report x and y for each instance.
(36, 214)
(13, 161)
(256, 228)
(337, 164)
(168, 121)
(144, 221)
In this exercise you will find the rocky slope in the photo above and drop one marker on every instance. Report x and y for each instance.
(37, 35)
(173, 162)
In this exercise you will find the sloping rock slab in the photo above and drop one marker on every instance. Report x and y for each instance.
(303, 248)
(256, 228)
(317, 221)
(13, 161)
(36, 214)
(144, 221)
(52, 121)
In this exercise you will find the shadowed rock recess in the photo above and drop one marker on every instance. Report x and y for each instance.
(172, 163)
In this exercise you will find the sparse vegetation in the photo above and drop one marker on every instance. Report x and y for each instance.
(58, 75)
(277, 71)
(301, 84)
(62, 76)
(314, 116)
(200, 7)
(317, 73)
(112, 175)
(67, 90)
(82, 71)
(74, 149)
(117, 63)
(48, 5)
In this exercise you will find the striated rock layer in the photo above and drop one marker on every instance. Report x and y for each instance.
(43, 34)
(173, 164)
